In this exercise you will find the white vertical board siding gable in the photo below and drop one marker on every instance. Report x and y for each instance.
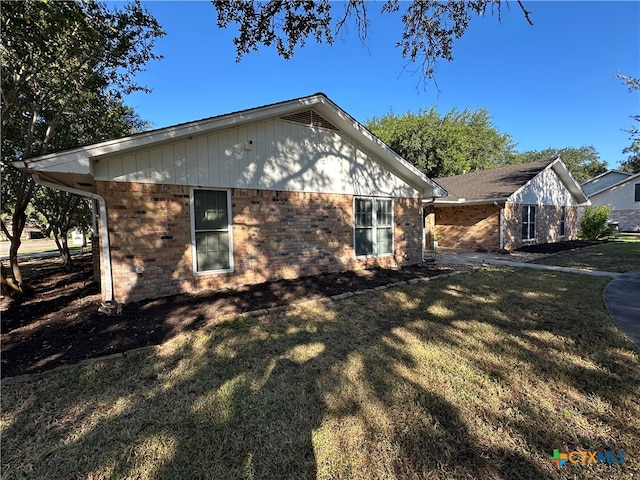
(544, 189)
(271, 155)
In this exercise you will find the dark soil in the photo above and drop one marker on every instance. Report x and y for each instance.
(60, 324)
(556, 247)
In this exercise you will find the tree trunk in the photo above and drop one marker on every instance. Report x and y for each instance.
(63, 247)
(8, 286)
(19, 221)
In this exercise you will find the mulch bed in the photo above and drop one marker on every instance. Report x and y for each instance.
(556, 247)
(59, 323)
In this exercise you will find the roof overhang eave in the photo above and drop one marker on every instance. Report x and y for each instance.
(473, 201)
(569, 181)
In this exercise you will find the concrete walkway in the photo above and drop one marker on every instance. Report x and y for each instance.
(621, 295)
(463, 258)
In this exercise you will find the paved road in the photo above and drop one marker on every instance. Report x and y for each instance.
(622, 298)
(44, 247)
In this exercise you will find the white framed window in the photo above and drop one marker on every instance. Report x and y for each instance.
(373, 226)
(211, 239)
(528, 222)
(563, 220)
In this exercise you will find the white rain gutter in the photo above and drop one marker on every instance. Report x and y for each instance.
(104, 233)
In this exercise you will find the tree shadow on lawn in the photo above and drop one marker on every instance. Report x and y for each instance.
(64, 327)
(407, 383)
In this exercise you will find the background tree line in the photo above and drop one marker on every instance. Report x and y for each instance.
(66, 67)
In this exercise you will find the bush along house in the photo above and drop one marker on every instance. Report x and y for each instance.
(280, 191)
(505, 208)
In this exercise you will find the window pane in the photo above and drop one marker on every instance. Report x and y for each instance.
(364, 241)
(384, 240)
(210, 210)
(212, 251)
(364, 212)
(383, 213)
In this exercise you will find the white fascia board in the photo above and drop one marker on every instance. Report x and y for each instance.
(569, 181)
(78, 160)
(475, 201)
(392, 161)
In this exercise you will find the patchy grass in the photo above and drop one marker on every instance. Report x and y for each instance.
(480, 375)
(621, 255)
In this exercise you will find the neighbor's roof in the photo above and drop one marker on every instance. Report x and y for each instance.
(498, 184)
(73, 168)
(606, 181)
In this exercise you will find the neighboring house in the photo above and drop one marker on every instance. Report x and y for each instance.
(621, 191)
(507, 207)
(280, 191)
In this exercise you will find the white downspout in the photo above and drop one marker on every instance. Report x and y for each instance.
(104, 233)
(500, 224)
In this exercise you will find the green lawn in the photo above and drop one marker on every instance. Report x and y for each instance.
(621, 255)
(479, 375)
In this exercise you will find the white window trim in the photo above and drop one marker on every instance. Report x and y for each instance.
(194, 259)
(375, 219)
(535, 224)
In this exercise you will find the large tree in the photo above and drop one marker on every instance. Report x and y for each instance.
(65, 69)
(430, 26)
(443, 145)
(632, 163)
(583, 162)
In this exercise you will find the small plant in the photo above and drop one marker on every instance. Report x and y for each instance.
(594, 223)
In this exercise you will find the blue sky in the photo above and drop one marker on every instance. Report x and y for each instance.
(548, 85)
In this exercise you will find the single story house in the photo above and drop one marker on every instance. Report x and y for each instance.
(506, 207)
(280, 191)
(621, 191)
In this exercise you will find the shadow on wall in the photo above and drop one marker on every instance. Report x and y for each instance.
(547, 228)
(275, 234)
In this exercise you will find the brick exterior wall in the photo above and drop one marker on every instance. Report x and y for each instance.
(547, 225)
(275, 235)
(468, 227)
(477, 227)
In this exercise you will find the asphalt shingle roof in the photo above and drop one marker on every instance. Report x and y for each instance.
(494, 183)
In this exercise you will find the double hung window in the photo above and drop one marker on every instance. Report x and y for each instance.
(373, 226)
(211, 231)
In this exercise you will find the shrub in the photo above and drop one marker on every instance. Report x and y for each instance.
(594, 223)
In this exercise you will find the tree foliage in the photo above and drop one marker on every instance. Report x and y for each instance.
(445, 145)
(57, 213)
(632, 163)
(583, 162)
(430, 26)
(65, 69)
